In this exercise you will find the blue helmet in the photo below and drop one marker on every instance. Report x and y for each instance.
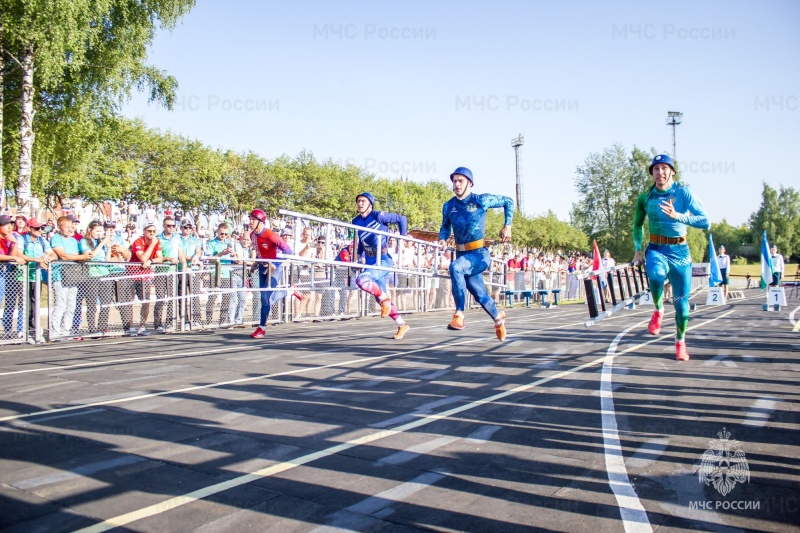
(464, 171)
(368, 196)
(661, 159)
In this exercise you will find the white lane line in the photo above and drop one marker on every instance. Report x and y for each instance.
(124, 360)
(321, 391)
(354, 518)
(759, 414)
(795, 323)
(634, 517)
(178, 501)
(278, 374)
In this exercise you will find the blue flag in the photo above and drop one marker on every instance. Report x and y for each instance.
(716, 275)
(766, 263)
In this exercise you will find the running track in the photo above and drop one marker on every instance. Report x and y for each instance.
(336, 427)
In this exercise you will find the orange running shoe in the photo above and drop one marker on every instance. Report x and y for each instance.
(401, 331)
(386, 307)
(500, 329)
(680, 351)
(654, 327)
(456, 323)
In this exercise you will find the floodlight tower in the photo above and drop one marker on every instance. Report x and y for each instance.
(673, 119)
(516, 142)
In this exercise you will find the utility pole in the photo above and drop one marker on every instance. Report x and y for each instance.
(516, 143)
(673, 119)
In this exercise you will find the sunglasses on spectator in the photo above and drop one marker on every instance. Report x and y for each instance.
(186, 227)
(169, 225)
(150, 231)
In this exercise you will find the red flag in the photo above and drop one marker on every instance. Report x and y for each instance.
(596, 258)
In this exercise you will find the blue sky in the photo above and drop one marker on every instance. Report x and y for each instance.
(417, 88)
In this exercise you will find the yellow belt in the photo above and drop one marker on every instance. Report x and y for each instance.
(469, 246)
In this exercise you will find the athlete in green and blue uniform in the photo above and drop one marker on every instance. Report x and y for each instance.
(669, 208)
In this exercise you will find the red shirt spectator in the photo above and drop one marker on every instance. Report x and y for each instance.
(7, 246)
(147, 248)
(267, 243)
(515, 263)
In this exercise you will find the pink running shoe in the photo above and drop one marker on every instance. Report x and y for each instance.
(680, 351)
(654, 327)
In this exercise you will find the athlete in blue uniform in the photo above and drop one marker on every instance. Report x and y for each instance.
(669, 208)
(372, 249)
(465, 217)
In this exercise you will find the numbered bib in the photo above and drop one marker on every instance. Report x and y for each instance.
(776, 295)
(715, 296)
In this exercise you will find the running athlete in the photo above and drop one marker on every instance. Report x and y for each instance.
(372, 249)
(669, 208)
(266, 244)
(465, 217)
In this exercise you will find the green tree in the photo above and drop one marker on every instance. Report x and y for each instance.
(731, 237)
(78, 60)
(779, 215)
(608, 184)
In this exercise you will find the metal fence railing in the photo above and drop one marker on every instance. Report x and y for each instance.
(68, 300)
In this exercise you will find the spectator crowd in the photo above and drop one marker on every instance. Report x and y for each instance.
(116, 253)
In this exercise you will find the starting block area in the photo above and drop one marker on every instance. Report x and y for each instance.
(336, 426)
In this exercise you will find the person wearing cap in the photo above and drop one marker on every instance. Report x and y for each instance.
(778, 266)
(147, 251)
(75, 223)
(669, 208)
(65, 279)
(266, 244)
(372, 249)
(464, 216)
(35, 249)
(191, 253)
(10, 288)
